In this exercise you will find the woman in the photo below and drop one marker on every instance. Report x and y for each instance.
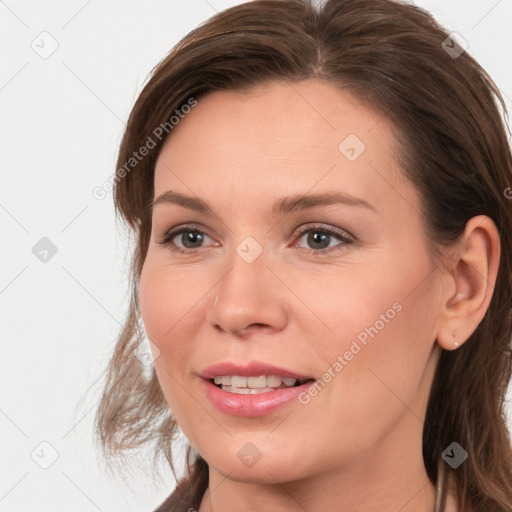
(323, 265)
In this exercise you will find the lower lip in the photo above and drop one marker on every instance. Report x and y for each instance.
(251, 405)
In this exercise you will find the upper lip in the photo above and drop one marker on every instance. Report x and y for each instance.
(253, 368)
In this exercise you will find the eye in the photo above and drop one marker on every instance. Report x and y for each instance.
(320, 237)
(192, 239)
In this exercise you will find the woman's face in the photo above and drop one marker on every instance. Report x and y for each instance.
(355, 309)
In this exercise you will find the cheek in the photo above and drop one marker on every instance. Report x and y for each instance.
(164, 304)
(384, 355)
(170, 302)
(153, 302)
(382, 328)
(166, 297)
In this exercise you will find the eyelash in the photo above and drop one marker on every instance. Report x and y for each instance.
(191, 228)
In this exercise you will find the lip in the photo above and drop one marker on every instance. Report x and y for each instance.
(250, 405)
(254, 368)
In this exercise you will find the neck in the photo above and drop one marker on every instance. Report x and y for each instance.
(319, 495)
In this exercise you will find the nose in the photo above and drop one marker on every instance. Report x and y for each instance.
(249, 299)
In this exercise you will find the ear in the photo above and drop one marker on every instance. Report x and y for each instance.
(472, 270)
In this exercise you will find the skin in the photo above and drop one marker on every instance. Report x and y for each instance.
(357, 444)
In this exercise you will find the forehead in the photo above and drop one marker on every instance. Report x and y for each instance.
(279, 136)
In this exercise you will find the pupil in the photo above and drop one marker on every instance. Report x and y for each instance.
(316, 237)
(191, 236)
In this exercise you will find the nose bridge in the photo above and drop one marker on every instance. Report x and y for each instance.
(248, 293)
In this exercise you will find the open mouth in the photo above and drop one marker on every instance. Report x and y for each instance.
(254, 385)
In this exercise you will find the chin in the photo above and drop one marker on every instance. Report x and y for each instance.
(248, 466)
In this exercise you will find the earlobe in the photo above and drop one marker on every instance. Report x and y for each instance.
(471, 277)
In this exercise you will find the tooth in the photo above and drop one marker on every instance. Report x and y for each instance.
(258, 391)
(233, 389)
(260, 383)
(257, 382)
(245, 391)
(239, 381)
(273, 381)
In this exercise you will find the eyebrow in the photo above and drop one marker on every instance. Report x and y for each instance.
(282, 206)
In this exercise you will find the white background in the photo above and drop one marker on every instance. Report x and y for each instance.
(61, 122)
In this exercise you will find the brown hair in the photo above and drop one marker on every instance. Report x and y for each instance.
(446, 112)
